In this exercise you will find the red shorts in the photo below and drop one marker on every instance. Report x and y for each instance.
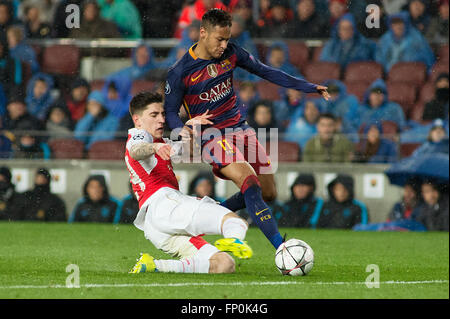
(240, 146)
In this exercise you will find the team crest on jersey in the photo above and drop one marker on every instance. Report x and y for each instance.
(167, 88)
(226, 65)
(212, 70)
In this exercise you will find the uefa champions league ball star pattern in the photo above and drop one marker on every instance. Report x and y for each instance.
(294, 258)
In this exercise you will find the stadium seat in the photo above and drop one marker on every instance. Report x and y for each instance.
(316, 53)
(412, 73)
(416, 112)
(426, 93)
(268, 90)
(438, 68)
(287, 152)
(107, 150)
(403, 94)
(390, 129)
(406, 149)
(298, 54)
(364, 71)
(66, 148)
(61, 59)
(357, 88)
(141, 86)
(319, 72)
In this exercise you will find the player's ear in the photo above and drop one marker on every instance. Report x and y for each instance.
(136, 119)
(203, 32)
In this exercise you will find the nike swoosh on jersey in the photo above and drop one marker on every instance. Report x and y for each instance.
(261, 211)
(196, 78)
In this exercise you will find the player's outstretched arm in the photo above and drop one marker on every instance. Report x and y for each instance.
(145, 150)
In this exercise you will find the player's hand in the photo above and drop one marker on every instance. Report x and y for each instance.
(163, 150)
(322, 90)
(202, 119)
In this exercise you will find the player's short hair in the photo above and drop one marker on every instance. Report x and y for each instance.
(141, 100)
(216, 17)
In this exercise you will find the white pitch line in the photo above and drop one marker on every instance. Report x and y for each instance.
(251, 283)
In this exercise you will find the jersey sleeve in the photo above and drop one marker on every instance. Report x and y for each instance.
(138, 136)
(248, 62)
(174, 93)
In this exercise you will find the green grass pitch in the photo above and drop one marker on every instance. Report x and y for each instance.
(34, 257)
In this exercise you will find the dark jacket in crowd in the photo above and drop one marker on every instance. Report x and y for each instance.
(438, 107)
(102, 211)
(302, 212)
(434, 218)
(12, 204)
(42, 205)
(346, 214)
(128, 209)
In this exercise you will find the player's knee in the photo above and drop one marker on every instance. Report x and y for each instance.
(269, 194)
(221, 263)
(234, 215)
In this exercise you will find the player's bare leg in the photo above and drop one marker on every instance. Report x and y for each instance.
(268, 187)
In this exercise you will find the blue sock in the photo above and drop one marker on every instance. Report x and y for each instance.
(235, 202)
(261, 214)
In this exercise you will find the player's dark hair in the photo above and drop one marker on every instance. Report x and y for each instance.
(327, 116)
(141, 100)
(216, 17)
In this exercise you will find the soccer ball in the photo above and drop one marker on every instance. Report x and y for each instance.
(294, 258)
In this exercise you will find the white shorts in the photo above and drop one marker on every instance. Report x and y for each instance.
(173, 222)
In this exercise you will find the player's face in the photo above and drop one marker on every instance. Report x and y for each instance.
(152, 120)
(409, 195)
(95, 190)
(326, 128)
(215, 40)
(429, 194)
(340, 193)
(301, 191)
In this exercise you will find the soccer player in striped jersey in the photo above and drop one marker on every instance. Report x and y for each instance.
(202, 80)
(172, 221)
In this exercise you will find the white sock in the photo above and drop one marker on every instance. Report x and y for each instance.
(188, 265)
(234, 228)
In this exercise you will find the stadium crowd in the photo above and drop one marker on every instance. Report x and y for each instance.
(388, 85)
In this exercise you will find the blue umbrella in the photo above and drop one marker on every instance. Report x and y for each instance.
(430, 166)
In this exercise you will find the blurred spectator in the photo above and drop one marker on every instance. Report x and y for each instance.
(291, 101)
(143, 61)
(278, 57)
(5, 144)
(58, 124)
(337, 9)
(308, 23)
(303, 124)
(18, 49)
(128, 208)
(377, 107)
(433, 212)
(41, 204)
(246, 97)
(374, 148)
(93, 26)
(261, 117)
(276, 21)
(39, 97)
(16, 112)
(394, 6)
(117, 94)
(59, 28)
(12, 204)
(327, 145)
(242, 37)
(438, 107)
(244, 9)
(203, 185)
(437, 31)
(35, 27)
(195, 11)
(410, 199)
(403, 43)
(437, 141)
(342, 105)
(374, 32)
(342, 210)
(46, 8)
(419, 15)
(6, 16)
(28, 144)
(158, 17)
(77, 100)
(11, 72)
(347, 44)
(98, 124)
(303, 209)
(124, 14)
(96, 205)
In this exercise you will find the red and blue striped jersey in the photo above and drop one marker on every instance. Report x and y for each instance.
(200, 85)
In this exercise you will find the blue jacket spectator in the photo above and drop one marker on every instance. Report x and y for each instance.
(39, 97)
(403, 43)
(117, 94)
(246, 96)
(419, 14)
(96, 205)
(278, 57)
(18, 49)
(291, 101)
(125, 14)
(11, 73)
(437, 140)
(377, 107)
(97, 124)
(374, 148)
(303, 123)
(143, 62)
(342, 105)
(347, 44)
